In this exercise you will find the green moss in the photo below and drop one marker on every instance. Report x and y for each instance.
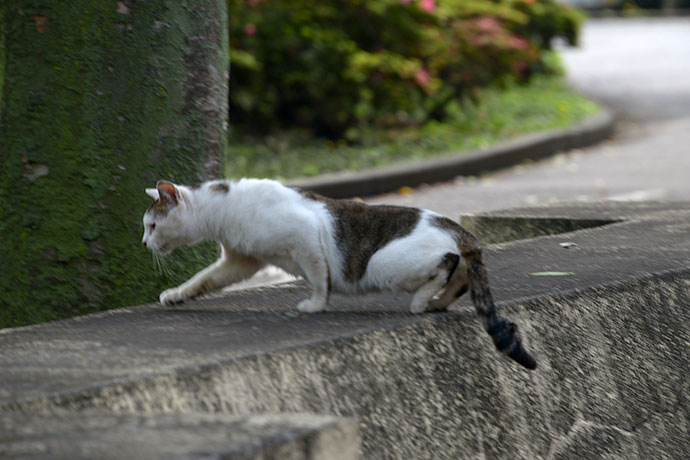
(83, 101)
(3, 13)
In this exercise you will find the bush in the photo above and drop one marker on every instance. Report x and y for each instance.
(332, 67)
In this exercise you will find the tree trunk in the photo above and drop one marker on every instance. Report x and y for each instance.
(98, 100)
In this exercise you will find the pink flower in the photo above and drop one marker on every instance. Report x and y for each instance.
(427, 5)
(422, 77)
(249, 29)
(487, 24)
(518, 42)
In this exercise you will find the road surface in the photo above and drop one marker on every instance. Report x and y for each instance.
(640, 68)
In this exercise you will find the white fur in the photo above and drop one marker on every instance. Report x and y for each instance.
(262, 222)
(153, 193)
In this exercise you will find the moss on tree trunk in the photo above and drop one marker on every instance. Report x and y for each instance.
(98, 100)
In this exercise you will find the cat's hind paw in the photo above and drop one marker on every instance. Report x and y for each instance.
(309, 306)
(172, 296)
(436, 305)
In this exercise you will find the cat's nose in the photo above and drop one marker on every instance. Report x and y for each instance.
(144, 243)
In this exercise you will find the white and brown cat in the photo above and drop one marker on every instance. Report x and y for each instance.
(336, 245)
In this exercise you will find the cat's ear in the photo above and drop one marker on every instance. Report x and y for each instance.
(167, 192)
(153, 193)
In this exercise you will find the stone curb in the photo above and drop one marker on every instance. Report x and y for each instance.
(529, 147)
(106, 435)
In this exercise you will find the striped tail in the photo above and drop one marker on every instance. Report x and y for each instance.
(503, 332)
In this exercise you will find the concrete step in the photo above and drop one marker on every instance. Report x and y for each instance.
(92, 435)
(611, 337)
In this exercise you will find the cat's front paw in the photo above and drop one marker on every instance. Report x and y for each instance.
(309, 306)
(172, 296)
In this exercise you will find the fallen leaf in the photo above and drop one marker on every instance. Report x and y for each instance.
(568, 245)
(552, 274)
(405, 190)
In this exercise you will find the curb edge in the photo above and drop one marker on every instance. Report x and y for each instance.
(533, 146)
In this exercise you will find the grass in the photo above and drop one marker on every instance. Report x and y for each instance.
(546, 103)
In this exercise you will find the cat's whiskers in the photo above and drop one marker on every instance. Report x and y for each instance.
(160, 266)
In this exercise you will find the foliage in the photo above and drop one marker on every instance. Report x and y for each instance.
(336, 66)
(545, 103)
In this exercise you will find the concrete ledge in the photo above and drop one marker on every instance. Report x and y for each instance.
(92, 435)
(529, 147)
(522, 223)
(612, 340)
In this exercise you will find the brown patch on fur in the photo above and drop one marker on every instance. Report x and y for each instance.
(462, 290)
(220, 187)
(450, 264)
(159, 209)
(453, 228)
(167, 192)
(362, 229)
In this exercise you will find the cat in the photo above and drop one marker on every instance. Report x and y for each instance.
(342, 246)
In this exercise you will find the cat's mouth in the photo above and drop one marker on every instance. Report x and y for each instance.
(164, 249)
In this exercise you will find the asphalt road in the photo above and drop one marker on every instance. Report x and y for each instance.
(640, 68)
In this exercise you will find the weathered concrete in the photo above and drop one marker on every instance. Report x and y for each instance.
(612, 341)
(522, 223)
(92, 435)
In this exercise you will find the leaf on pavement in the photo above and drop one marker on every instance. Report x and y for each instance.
(552, 274)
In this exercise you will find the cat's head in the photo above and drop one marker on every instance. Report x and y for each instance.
(165, 222)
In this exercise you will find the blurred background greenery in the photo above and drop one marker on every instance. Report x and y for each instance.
(322, 85)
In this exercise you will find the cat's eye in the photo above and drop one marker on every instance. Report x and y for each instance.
(152, 226)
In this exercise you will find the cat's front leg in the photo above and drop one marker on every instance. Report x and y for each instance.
(185, 291)
(172, 296)
(230, 268)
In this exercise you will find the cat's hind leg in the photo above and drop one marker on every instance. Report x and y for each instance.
(440, 277)
(458, 284)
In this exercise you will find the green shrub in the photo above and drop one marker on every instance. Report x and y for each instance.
(332, 67)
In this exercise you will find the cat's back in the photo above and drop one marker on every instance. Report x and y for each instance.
(262, 190)
(264, 195)
(270, 201)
